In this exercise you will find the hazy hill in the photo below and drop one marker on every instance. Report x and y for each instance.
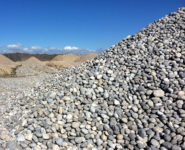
(33, 60)
(5, 60)
(7, 66)
(23, 56)
(68, 60)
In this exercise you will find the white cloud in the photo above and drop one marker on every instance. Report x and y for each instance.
(28, 50)
(35, 47)
(70, 48)
(14, 46)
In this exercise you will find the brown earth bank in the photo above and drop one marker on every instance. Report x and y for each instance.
(7, 66)
(5, 60)
(69, 60)
(18, 65)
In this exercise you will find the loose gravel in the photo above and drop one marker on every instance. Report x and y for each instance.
(10, 108)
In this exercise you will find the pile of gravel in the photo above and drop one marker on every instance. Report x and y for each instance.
(130, 97)
(26, 70)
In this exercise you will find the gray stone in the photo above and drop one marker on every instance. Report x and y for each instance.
(79, 140)
(100, 89)
(69, 117)
(53, 95)
(116, 102)
(99, 142)
(142, 133)
(109, 71)
(59, 141)
(50, 100)
(76, 124)
(45, 136)
(167, 137)
(85, 131)
(106, 94)
(20, 138)
(175, 147)
(132, 136)
(155, 143)
(158, 93)
(11, 145)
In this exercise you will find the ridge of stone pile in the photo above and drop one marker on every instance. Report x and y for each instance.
(132, 96)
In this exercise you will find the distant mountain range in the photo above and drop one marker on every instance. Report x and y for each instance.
(42, 57)
(50, 54)
(23, 56)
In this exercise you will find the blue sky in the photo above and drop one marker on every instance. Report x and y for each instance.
(49, 25)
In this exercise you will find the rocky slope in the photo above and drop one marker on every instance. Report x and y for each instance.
(130, 97)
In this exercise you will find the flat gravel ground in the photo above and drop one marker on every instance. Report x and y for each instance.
(10, 109)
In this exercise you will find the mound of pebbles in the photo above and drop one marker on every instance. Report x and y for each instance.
(33, 70)
(130, 97)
